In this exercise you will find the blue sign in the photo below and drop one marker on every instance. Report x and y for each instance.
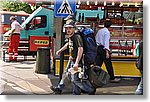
(64, 7)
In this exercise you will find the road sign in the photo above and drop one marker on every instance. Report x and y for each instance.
(64, 7)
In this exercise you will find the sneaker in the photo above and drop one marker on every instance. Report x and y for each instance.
(116, 80)
(56, 90)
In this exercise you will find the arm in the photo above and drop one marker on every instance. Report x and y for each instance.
(11, 33)
(106, 44)
(21, 28)
(62, 49)
(106, 40)
(13, 27)
(80, 52)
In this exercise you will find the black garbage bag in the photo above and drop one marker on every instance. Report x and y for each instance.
(98, 77)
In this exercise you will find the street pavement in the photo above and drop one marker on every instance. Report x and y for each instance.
(19, 78)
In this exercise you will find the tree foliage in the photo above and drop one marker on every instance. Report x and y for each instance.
(17, 6)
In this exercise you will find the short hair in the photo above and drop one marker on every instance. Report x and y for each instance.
(107, 23)
(12, 18)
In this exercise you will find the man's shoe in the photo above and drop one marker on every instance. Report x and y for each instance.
(116, 80)
(56, 90)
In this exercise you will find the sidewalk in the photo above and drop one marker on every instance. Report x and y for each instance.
(20, 78)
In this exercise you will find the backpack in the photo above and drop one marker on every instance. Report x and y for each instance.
(98, 77)
(89, 44)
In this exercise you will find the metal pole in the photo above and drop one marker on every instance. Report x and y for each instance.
(62, 53)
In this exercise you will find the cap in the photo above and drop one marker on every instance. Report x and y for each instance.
(12, 18)
(70, 23)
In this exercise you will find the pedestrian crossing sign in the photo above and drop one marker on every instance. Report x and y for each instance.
(63, 8)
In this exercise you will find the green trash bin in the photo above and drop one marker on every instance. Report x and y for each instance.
(43, 60)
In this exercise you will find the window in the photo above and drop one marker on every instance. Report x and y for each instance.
(38, 22)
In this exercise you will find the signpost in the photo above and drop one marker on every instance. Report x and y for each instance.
(63, 8)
